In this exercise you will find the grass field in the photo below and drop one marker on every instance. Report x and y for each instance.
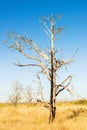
(69, 116)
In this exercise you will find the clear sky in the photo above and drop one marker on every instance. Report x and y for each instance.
(22, 16)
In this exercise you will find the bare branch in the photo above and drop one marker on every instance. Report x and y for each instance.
(29, 96)
(68, 78)
(75, 53)
(52, 19)
(62, 87)
(60, 63)
(47, 33)
(45, 71)
(46, 27)
(56, 51)
(59, 30)
(40, 88)
(43, 67)
(25, 65)
(30, 57)
(20, 43)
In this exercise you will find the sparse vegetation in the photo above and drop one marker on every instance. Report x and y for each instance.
(81, 102)
(75, 113)
(12, 118)
(16, 94)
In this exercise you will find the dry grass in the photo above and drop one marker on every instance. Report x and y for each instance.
(68, 117)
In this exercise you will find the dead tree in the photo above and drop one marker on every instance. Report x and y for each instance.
(40, 90)
(24, 45)
(16, 94)
(29, 96)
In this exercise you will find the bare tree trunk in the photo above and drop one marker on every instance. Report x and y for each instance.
(53, 81)
(21, 43)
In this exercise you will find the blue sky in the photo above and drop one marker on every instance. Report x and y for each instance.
(22, 16)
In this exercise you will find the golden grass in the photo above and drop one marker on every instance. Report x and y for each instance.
(24, 117)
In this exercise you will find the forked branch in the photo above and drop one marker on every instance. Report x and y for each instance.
(64, 85)
(21, 44)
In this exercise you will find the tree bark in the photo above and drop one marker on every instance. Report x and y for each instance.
(53, 82)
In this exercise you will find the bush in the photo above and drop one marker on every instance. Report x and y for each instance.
(81, 102)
